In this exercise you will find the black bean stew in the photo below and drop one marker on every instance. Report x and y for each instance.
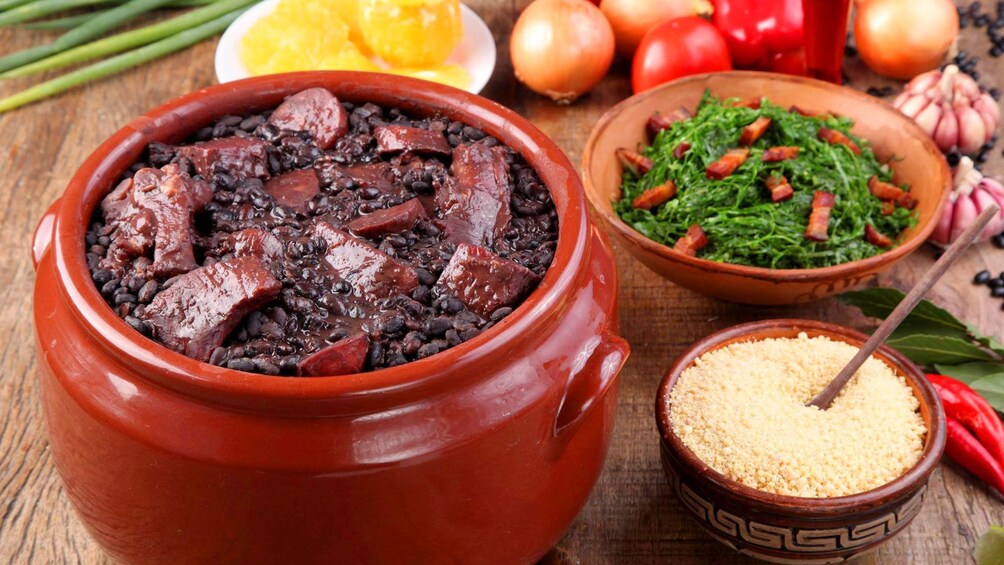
(322, 238)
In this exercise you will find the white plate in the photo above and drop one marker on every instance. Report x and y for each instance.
(475, 52)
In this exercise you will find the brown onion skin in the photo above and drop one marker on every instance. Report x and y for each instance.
(631, 19)
(561, 48)
(904, 38)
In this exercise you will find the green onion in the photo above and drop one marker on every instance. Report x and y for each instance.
(120, 63)
(42, 8)
(101, 23)
(65, 22)
(129, 39)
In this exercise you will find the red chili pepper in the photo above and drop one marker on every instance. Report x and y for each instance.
(973, 411)
(763, 34)
(965, 450)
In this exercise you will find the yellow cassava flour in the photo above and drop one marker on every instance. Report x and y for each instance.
(741, 409)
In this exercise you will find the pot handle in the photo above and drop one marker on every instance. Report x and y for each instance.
(589, 381)
(43, 234)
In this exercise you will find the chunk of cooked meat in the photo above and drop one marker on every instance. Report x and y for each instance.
(156, 208)
(237, 157)
(474, 202)
(483, 281)
(316, 111)
(395, 139)
(371, 272)
(727, 164)
(754, 131)
(819, 218)
(294, 189)
(346, 356)
(655, 196)
(395, 219)
(693, 241)
(199, 310)
(779, 153)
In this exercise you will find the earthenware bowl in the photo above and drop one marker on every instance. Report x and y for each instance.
(918, 163)
(483, 453)
(788, 529)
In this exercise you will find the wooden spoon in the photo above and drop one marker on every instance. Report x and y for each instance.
(826, 396)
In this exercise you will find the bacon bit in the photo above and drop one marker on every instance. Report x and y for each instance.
(654, 196)
(778, 154)
(728, 163)
(810, 114)
(888, 192)
(692, 242)
(753, 103)
(634, 161)
(680, 150)
(658, 122)
(888, 208)
(779, 188)
(834, 137)
(874, 237)
(819, 219)
(754, 131)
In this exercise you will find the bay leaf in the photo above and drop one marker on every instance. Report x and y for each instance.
(880, 302)
(930, 349)
(970, 372)
(992, 389)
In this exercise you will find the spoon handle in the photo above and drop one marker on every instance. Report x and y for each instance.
(951, 255)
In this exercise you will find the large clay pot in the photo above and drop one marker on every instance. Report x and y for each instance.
(480, 454)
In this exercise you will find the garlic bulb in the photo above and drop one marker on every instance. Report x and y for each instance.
(972, 193)
(949, 106)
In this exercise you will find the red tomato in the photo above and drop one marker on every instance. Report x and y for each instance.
(678, 48)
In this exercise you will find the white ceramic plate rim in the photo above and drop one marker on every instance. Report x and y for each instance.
(475, 52)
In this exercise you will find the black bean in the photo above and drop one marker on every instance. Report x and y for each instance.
(147, 291)
(136, 324)
(101, 277)
(982, 277)
(997, 291)
(998, 241)
(241, 364)
(427, 350)
(497, 315)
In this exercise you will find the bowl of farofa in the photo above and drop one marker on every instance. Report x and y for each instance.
(781, 527)
(913, 157)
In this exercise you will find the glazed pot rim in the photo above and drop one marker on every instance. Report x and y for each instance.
(918, 234)
(179, 372)
(934, 443)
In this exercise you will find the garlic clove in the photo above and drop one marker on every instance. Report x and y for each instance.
(987, 106)
(923, 82)
(946, 134)
(983, 200)
(928, 118)
(972, 130)
(943, 229)
(902, 98)
(963, 214)
(915, 105)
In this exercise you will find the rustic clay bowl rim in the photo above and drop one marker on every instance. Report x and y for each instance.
(363, 391)
(915, 238)
(934, 443)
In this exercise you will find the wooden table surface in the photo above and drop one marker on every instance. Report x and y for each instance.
(632, 517)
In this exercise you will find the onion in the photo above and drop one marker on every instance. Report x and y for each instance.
(630, 19)
(561, 48)
(903, 38)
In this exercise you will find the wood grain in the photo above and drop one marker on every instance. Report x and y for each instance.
(631, 517)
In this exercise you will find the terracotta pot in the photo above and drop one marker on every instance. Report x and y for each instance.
(919, 164)
(790, 529)
(483, 453)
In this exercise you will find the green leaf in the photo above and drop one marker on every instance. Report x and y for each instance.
(880, 302)
(987, 340)
(926, 327)
(970, 372)
(992, 389)
(990, 547)
(928, 349)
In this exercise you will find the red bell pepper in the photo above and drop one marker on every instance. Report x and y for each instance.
(763, 34)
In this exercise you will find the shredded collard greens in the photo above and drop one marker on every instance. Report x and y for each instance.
(742, 224)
